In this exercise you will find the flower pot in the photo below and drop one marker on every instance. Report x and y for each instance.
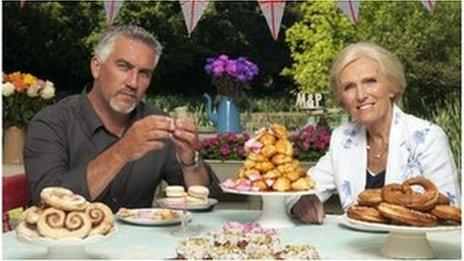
(13, 145)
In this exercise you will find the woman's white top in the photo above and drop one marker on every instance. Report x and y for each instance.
(416, 148)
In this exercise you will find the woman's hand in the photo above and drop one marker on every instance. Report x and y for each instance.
(308, 209)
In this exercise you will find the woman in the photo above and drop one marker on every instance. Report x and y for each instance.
(383, 145)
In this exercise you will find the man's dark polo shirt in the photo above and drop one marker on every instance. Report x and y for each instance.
(63, 138)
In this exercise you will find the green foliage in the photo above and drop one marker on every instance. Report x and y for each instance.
(55, 40)
(448, 117)
(427, 44)
(314, 41)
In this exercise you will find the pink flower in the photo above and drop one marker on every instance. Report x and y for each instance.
(253, 145)
(225, 150)
(232, 137)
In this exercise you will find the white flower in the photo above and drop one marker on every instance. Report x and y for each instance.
(33, 90)
(49, 91)
(8, 89)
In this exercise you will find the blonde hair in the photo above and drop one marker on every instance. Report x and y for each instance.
(389, 65)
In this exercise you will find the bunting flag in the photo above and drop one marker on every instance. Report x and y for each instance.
(192, 11)
(21, 4)
(112, 8)
(429, 5)
(273, 11)
(350, 8)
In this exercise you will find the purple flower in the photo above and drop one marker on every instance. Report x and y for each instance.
(232, 137)
(225, 150)
(240, 151)
(246, 136)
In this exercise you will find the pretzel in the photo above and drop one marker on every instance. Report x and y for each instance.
(398, 194)
(367, 214)
(370, 197)
(447, 213)
(408, 216)
(422, 201)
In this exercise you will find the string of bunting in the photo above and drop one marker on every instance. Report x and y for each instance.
(273, 11)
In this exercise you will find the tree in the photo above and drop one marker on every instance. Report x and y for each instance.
(427, 44)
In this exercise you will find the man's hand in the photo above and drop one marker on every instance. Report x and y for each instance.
(309, 209)
(185, 139)
(143, 136)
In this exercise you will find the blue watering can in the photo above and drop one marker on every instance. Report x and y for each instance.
(227, 117)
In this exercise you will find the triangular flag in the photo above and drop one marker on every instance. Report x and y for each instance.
(273, 11)
(21, 4)
(112, 8)
(192, 11)
(350, 8)
(429, 4)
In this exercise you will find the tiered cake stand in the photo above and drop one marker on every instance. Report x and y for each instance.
(273, 214)
(402, 241)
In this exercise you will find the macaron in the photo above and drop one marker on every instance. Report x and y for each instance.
(175, 191)
(192, 201)
(196, 191)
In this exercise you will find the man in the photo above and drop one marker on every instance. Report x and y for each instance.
(106, 144)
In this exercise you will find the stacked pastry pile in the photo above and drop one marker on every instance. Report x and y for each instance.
(400, 204)
(195, 196)
(65, 214)
(237, 241)
(270, 165)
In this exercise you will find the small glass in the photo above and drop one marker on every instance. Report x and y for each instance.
(186, 229)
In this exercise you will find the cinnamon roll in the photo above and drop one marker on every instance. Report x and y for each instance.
(101, 218)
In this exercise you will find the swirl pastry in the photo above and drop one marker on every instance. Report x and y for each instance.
(370, 197)
(62, 198)
(365, 213)
(27, 229)
(408, 216)
(32, 215)
(447, 213)
(101, 218)
(422, 201)
(78, 224)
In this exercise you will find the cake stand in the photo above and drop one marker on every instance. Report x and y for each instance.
(402, 241)
(65, 248)
(273, 214)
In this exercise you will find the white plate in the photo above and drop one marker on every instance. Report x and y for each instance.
(270, 193)
(378, 227)
(68, 241)
(149, 221)
(211, 202)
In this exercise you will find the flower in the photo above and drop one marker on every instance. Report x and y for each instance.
(311, 142)
(230, 76)
(24, 95)
(228, 146)
(8, 89)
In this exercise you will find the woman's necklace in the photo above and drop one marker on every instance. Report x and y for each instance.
(377, 155)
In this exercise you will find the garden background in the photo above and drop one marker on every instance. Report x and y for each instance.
(54, 41)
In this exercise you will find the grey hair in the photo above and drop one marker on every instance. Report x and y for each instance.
(389, 65)
(108, 38)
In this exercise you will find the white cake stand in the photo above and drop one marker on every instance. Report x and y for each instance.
(273, 214)
(65, 248)
(402, 241)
